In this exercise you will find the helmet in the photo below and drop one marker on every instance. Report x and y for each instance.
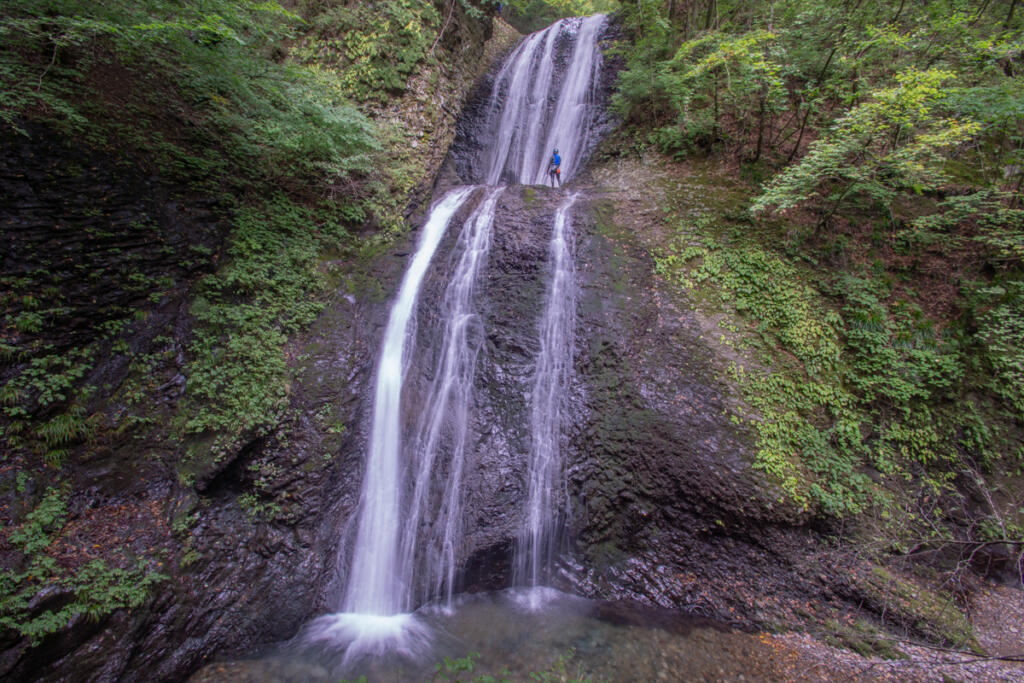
(556, 150)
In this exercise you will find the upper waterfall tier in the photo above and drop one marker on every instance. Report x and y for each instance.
(543, 97)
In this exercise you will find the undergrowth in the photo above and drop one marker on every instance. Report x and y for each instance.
(42, 596)
(843, 377)
(245, 312)
(374, 46)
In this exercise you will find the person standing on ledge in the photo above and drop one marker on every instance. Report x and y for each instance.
(556, 169)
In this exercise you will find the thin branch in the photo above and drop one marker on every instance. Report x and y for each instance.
(53, 60)
(448, 19)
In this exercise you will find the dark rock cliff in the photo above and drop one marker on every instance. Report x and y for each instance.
(94, 235)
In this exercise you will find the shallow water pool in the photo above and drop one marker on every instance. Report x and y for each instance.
(540, 634)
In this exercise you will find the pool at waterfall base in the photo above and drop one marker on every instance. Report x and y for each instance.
(514, 634)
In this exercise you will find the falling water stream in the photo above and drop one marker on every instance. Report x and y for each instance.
(377, 581)
(443, 422)
(536, 543)
(375, 614)
(541, 109)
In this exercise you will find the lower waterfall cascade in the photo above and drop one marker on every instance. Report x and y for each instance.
(535, 548)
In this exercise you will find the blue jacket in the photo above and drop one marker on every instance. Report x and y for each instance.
(556, 160)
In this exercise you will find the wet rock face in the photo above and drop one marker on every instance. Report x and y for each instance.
(666, 509)
(663, 506)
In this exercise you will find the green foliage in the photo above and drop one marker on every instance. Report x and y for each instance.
(256, 118)
(33, 535)
(257, 508)
(1000, 313)
(708, 77)
(238, 378)
(900, 127)
(375, 46)
(864, 384)
(46, 380)
(528, 16)
(43, 384)
(893, 141)
(787, 313)
(998, 226)
(93, 590)
(895, 354)
(768, 75)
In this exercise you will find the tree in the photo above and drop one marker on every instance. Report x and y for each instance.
(894, 141)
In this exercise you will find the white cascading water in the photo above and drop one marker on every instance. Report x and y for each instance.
(535, 545)
(506, 120)
(568, 128)
(375, 583)
(376, 595)
(406, 547)
(543, 109)
(440, 440)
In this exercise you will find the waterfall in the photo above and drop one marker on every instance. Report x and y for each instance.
(535, 545)
(443, 423)
(406, 550)
(409, 521)
(536, 108)
(508, 122)
(376, 582)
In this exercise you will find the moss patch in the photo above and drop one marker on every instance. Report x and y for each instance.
(910, 605)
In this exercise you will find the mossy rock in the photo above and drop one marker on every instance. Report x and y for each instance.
(863, 638)
(929, 613)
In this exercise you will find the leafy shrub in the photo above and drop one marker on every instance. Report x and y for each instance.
(377, 45)
(245, 312)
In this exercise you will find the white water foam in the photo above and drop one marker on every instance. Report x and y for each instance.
(362, 635)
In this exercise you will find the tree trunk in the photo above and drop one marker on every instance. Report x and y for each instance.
(807, 114)
(898, 12)
(760, 127)
(984, 6)
(714, 126)
(711, 15)
(1009, 15)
